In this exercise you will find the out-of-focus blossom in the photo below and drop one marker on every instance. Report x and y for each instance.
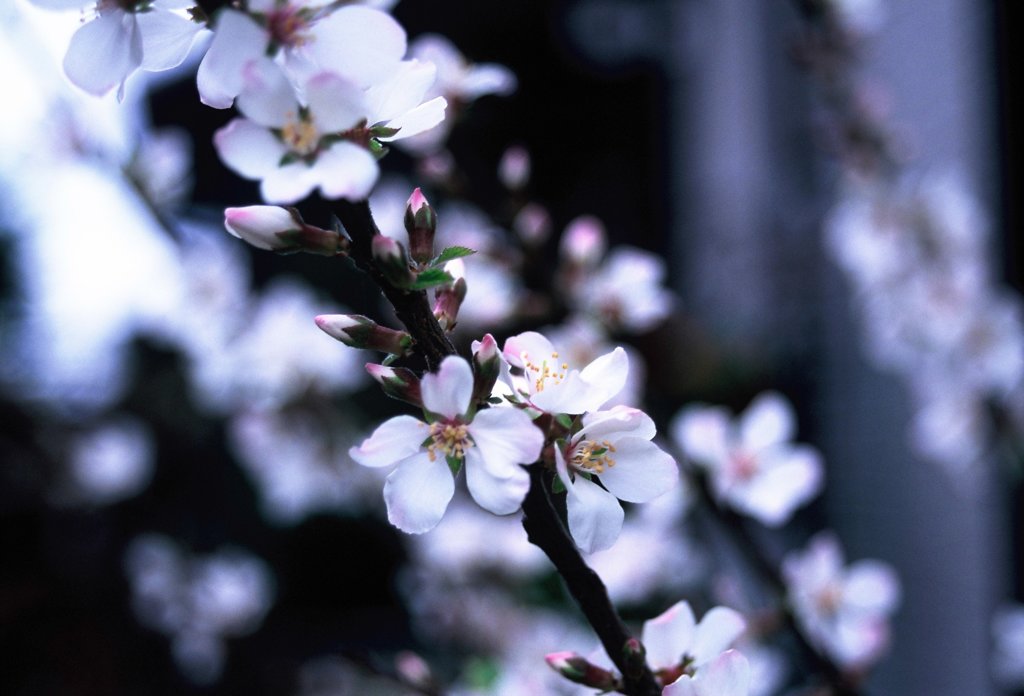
(197, 601)
(1008, 646)
(122, 37)
(491, 443)
(111, 462)
(458, 81)
(542, 377)
(514, 168)
(751, 462)
(324, 142)
(362, 44)
(861, 17)
(844, 610)
(162, 167)
(614, 447)
(298, 461)
(624, 290)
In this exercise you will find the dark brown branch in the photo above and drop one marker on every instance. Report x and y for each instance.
(544, 529)
(411, 306)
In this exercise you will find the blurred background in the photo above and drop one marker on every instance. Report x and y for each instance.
(177, 508)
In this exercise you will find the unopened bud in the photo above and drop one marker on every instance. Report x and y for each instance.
(357, 331)
(634, 656)
(577, 668)
(486, 368)
(514, 168)
(282, 230)
(420, 223)
(584, 241)
(397, 382)
(448, 298)
(390, 258)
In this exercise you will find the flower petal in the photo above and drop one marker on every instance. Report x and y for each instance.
(248, 148)
(447, 392)
(417, 493)
(359, 43)
(104, 52)
(505, 437)
(595, 516)
(669, 635)
(683, 686)
(501, 495)
(642, 470)
(607, 376)
(267, 97)
(768, 420)
(717, 630)
(422, 118)
(337, 104)
(727, 675)
(392, 441)
(871, 586)
(237, 39)
(788, 479)
(346, 171)
(166, 38)
(401, 92)
(703, 434)
(288, 184)
(620, 420)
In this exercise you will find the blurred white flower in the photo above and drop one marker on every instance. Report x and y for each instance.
(197, 601)
(112, 462)
(750, 461)
(124, 36)
(844, 610)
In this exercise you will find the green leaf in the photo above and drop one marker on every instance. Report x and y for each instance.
(564, 420)
(557, 485)
(455, 464)
(453, 252)
(431, 277)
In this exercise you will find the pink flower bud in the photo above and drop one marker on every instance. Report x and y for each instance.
(263, 226)
(486, 368)
(448, 299)
(282, 230)
(584, 241)
(420, 223)
(390, 258)
(357, 331)
(397, 382)
(577, 668)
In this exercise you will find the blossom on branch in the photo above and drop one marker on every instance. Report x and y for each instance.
(122, 37)
(491, 444)
(844, 610)
(615, 448)
(751, 462)
(328, 140)
(539, 375)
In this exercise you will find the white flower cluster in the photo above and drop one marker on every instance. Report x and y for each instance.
(919, 262)
(198, 601)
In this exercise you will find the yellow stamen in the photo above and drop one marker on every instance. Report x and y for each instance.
(451, 439)
(593, 456)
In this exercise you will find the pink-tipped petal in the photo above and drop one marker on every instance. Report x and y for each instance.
(669, 635)
(362, 44)
(448, 391)
(237, 39)
(337, 104)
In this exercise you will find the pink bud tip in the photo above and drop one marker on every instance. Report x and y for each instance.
(417, 200)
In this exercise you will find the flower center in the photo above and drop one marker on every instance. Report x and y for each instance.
(543, 371)
(287, 26)
(829, 599)
(593, 456)
(301, 136)
(742, 465)
(450, 438)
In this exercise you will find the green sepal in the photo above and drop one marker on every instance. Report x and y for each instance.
(453, 252)
(383, 131)
(430, 278)
(377, 148)
(564, 420)
(455, 464)
(557, 485)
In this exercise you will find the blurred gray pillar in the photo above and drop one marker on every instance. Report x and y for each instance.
(933, 56)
